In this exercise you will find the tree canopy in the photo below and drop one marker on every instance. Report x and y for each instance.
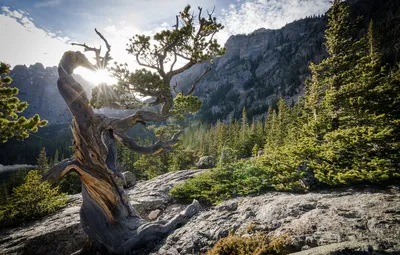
(166, 54)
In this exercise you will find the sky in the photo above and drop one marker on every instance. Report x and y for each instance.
(42, 30)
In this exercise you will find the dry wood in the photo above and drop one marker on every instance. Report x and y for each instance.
(106, 214)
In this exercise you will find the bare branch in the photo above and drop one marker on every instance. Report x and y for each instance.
(86, 48)
(200, 10)
(57, 172)
(156, 148)
(211, 13)
(101, 62)
(174, 87)
(176, 26)
(174, 62)
(107, 56)
(197, 81)
(141, 116)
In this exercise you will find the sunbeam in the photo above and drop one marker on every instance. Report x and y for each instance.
(98, 77)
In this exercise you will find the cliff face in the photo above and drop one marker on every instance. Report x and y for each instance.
(317, 223)
(38, 86)
(260, 67)
(257, 69)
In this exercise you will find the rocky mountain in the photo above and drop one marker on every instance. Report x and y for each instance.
(262, 66)
(326, 222)
(257, 69)
(38, 86)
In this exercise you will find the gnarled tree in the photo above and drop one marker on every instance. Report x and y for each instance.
(106, 214)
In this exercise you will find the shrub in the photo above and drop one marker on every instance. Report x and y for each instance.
(71, 184)
(258, 244)
(212, 186)
(239, 179)
(281, 170)
(356, 155)
(31, 200)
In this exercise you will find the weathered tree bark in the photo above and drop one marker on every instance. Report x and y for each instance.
(106, 214)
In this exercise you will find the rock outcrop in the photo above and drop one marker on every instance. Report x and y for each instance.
(362, 218)
(318, 223)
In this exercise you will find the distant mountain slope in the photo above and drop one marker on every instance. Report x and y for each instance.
(258, 68)
(38, 86)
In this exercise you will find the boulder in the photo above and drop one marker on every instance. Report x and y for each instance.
(130, 180)
(206, 162)
(153, 215)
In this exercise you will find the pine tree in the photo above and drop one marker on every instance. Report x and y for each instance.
(284, 121)
(255, 150)
(55, 160)
(244, 146)
(32, 199)
(323, 89)
(42, 162)
(244, 125)
(356, 140)
(271, 129)
(11, 124)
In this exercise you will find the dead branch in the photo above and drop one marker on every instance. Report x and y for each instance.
(107, 56)
(174, 87)
(101, 62)
(197, 81)
(156, 148)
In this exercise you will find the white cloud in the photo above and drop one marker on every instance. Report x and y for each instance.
(244, 17)
(25, 43)
(50, 3)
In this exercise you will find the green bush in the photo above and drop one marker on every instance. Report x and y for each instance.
(71, 184)
(150, 166)
(31, 200)
(212, 186)
(281, 170)
(258, 244)
(355, 155)
(239, 179)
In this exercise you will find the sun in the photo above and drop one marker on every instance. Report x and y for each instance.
(97, 77)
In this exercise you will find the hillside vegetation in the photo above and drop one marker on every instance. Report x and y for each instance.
(345, 130)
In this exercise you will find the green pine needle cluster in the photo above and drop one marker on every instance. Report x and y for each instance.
(11, 124)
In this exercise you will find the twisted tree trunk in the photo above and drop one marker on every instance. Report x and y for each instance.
(106, 215)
